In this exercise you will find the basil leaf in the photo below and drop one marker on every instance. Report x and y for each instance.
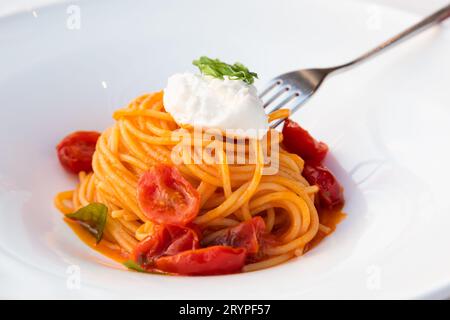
(93, 217)
(219, 69)
(130, 264)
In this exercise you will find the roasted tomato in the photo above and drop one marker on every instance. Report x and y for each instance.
(75, 151)
(166, 197)
(331, 194)
(245, 235)
(297, 140)
(165, 240)
(206, 261)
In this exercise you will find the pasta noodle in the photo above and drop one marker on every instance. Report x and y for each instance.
(142, 136)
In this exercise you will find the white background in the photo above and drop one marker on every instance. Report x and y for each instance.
(421, 7)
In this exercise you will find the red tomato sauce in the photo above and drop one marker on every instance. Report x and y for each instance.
(329, 218)
(101, 247)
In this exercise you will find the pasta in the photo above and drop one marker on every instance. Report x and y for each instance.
(142, 136)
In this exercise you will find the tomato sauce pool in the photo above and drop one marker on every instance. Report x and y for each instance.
(329, 218)
(105, 247)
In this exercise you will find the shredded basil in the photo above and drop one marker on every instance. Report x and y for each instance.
(219, 69)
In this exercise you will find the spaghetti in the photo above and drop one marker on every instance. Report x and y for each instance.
(142, 137)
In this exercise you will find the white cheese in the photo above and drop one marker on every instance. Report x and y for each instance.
(208, 102)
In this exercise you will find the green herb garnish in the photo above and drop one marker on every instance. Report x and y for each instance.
(130, 264)
(219, 69)
(93, 217)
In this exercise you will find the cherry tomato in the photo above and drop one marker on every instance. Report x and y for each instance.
(166, 197)
(206, 261)
(330, 191)
(165, 240)
(297, 140)
(75, 151)
(245, 235)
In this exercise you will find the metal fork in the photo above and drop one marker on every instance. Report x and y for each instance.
(294, 88)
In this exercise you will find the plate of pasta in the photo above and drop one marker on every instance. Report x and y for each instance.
(139, 161)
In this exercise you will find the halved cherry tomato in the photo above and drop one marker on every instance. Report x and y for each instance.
(206, 261)
(165, 240)
(331, 193)
(297, 140)
(75, 151)
(245, 235)
(166, 197)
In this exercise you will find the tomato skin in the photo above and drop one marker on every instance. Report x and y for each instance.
(75, 151)
(245, 235)
(166, 197)
(165, 240)
(331, 193)
(297, 140)
(207, 261)
(184, 239)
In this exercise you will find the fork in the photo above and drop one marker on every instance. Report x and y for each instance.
(294, 88)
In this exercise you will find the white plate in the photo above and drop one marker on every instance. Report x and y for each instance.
(386, 123)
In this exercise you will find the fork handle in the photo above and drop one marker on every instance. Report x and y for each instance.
(424, 24)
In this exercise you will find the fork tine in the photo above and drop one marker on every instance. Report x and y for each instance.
(298, 104)
(270, 87)
(285, 101)
(301, 100)
(276, 96)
